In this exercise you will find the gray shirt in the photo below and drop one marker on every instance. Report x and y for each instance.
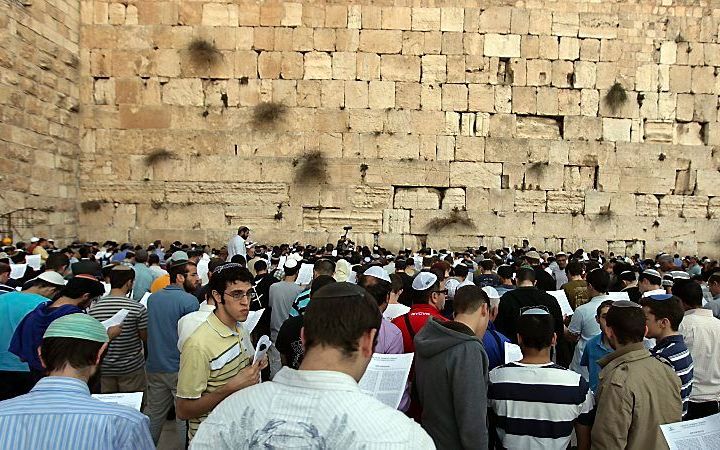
(282, 295)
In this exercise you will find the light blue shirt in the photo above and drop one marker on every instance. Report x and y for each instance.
(583, 323)
(165, 308)
(60, 414)
(13, 307)
(143, 280)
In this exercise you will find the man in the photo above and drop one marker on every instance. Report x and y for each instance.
(650, 283)
(630, 285)
(597, 347)
(4, 276)
(261, 283)
(75, 297)
(59, 412)
(321, 267)
(458, 278)
(576, 287)
(714, 288)
(493, 340)
(15, 376)
(451, 369)
(558, 270)
(637, 392)
(123, 367)
(702, 336)
(377, 282)
(525, 295)
(544, 281)
(216, 360)
(429, 301)
(41, 249)
(236, 246)
(583, 325)
(693, 268)
(485, 276)
(154, 266)
(165, 308)
(505, 273)
(143, 275)
(282, 295)
(320, 405)
(666, 263)
(560, 399)
(401, 267)
(664, 314)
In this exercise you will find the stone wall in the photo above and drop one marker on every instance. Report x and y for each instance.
(574, 123)
(39, 117)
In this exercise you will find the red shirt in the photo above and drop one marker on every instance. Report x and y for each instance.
(417, 316)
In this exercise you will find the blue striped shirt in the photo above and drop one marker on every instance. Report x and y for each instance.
(537, 405)
(60, 414)
(673, 350)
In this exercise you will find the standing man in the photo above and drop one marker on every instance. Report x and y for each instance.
(123, 367)
(377, 282)
(713, 284)
(702, 336)
(4, 276)
(282, 295)
(59, 412)
(451, 369)
(165, 308)
(637, 392)
(597, 348)
(216, 360)
(576, 288)
(558, 270)
(650, 283)
(236, 246)
(429, 301)
(144, 277)
(559, 400)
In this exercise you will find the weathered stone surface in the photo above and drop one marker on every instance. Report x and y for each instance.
(416, 198)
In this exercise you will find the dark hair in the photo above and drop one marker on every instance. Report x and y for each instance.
(714, 277)
(670, 309)
(338, 316)
(536, 330)
(469, 298)
(396, 283)
(118, 278)
(214, 264)
(574, 268)
(57, 352)
(56, 260)
(324, 266)
(179, 268)
(656, 281)
(220, 280)
(604, 304)
(487, 264)
(80, 285)
(153, 259)
(4, 268)
(84, 251)
(599, 280)
(319, 282)
(141, 256)
(525, 274)
(689, 292)
(260, 265)
(461, 270)
(505, 272)
(239, 259)
(400, 264)
(627, 323)
(379, 289)
(243, 229)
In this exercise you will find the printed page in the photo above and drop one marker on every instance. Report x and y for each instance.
(562, 301)
(116, 319)
(386, 376)
(131, 399)
(698, 434)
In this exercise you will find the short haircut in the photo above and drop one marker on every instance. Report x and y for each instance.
(153, 259)
(220, 280)
(242, 230)
(396, 282)
(400, 264)
(4, 268)
(56, 261)
(319, 282)
(536, 330)
(118, 278)
(141, 256)
(260, 265)
(598, 279)
(655, 281)
(80, 285)
(689, 292)
(487, 264)
(469, 298)
(338, 321)
(604, 304)
(505, 272)
(461, 270)
(670, 309)
(179, 268)
(324, 266)
(379, 289)
(239, 259)
(525, 274)
(574, 268)
(58, 352)
(627, 323)
(714, 278)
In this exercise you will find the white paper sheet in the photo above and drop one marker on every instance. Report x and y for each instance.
(386, 376)
(202, 270)
(252, 320)
(33, 261)
(562, 301)
(17, 271)
(395, 310)
(107, 287)
(698, 434)
(144, 299)
(263, 346)
(618, 296)
(131, 399)
(116, 319)
(512, 352)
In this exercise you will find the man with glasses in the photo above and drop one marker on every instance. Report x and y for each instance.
(165, 308)
(637, 392)
(216, 360)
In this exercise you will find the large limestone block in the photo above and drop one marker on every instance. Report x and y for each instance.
(578, 178)
(416, 198)
(565, 202)
(708, 182)
(647, 205)
(453, 198)
(616, 130)
(380, 41)
(396, 221)
(504, 46)
(475, 174)
(530, 201)
(400, 68)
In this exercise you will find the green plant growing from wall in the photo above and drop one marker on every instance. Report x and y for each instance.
(457, 217)
(311, 168)
(615, 97)
(158, 155)
(268, 113)
(363, 170)
(203, 52)
(91, 205)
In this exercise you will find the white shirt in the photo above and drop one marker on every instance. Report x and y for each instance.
(236, 246)
(308, 409)
(583, 323)
(702, 336)
(654, 292)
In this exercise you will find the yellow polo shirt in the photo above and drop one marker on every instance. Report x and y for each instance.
(210, 357)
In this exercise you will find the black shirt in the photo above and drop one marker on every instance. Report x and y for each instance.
(544, 281)
(288, 341)
(511, 303)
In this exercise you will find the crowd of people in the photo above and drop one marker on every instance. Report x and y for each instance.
(640, 348)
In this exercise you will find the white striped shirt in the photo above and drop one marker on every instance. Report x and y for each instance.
(60, 414)
(536, 405)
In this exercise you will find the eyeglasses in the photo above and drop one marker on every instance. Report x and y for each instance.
(534, 310)
(625, 304)
(443, 291)
(237, 295)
